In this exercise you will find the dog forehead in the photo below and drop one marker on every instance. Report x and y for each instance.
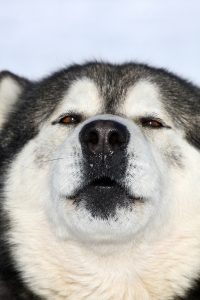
(83, 96)
(143, 98)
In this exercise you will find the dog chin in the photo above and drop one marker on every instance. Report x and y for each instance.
(76, 221)
(99, 211)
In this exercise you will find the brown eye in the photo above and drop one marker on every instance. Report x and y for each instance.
(68, 120)
(151, 123)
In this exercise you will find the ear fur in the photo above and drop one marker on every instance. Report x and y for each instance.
(11, 87)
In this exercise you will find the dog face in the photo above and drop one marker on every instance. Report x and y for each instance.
(113, 174)
(113, 162)
(103, 155)
(105, 182)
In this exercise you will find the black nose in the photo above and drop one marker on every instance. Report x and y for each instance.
(104, 136)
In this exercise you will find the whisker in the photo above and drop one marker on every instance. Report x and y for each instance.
(27, 165)
(53, 159)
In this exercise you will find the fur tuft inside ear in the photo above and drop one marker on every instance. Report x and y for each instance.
(11, 87)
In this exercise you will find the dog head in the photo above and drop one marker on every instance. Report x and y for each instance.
(107, 153)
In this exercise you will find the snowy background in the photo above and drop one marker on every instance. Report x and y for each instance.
(39, 36)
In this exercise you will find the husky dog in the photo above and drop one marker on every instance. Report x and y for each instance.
(100, 185)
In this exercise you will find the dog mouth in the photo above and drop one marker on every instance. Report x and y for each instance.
(106, 185)
(103, 195)
(104, 182)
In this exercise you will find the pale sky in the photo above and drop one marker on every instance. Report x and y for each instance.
(40, 36)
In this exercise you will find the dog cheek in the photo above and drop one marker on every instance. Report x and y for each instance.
(174, 157)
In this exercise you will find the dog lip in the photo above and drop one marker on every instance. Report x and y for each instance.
(103, 184)
(100, 184)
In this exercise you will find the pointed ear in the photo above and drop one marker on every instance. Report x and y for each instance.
(11, 87)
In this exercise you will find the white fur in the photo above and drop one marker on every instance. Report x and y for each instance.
(9, 93)
(151, 252)
(82, 96)
(143, 99)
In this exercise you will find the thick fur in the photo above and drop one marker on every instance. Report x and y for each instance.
(58, 245)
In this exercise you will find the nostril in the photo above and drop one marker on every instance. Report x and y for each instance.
(93, 137)
(116, 139)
